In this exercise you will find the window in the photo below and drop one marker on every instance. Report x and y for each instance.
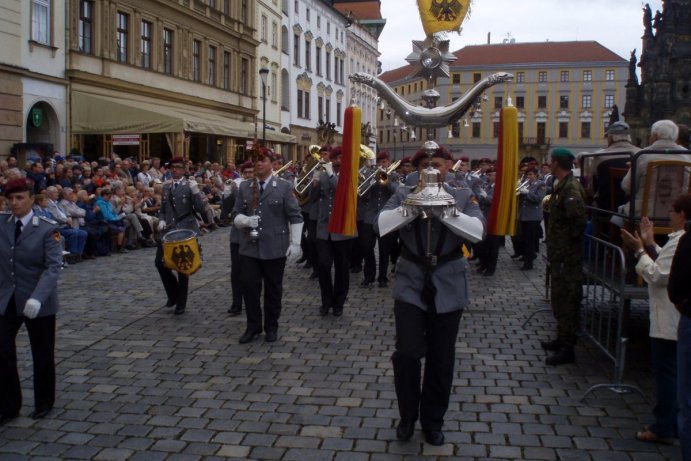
(40, 21)
(196, 60)
(542, 102)
(495, 129)
(274, 84)
(563, 102)
(328, 27)
(86, 18)
(296, 49)
(328, 65)
(320, 107)
(122, 29)
(585, 129)
(564, 76)
(274, 34)
(244, 76)
(263, 29)
(477, 77)
(586, 101)
(318, 57)
(168, 51)
(476, 129)
(145, 47)
(338, 113)
(541, 132)
(520, 102)
(341, 71)
(542, 76)
(520, 77)
(297, 7)
(497, 102)
(563, 129)
(609, 75)
(226, 70)
(456, 79)
(211, 66)
(587, 75)
(244, 12)
(520, 130)
(319, 22)
(609, 101)
(308, 55)
(327, 109)
(307, 14)
(303, 104)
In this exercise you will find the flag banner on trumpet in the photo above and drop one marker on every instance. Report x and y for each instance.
(440, 16)
(502, 216)
(343, 214)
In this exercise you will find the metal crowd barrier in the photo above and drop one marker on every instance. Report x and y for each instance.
(606, 307)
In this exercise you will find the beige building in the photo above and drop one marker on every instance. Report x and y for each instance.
(565, 93)
(33, 89)
(162, 78)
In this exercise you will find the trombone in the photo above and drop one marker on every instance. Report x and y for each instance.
(380, 176)
(521, 184)
(308, 172)
(283, 168)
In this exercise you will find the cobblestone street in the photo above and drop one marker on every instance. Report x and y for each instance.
(136, 382)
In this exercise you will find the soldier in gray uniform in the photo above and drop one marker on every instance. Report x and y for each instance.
(332, 249)
(530, 216)
(180, 199)
(430, 293)
(30, 259)
(269, 221)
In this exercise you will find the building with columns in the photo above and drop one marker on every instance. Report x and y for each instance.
(33, 88)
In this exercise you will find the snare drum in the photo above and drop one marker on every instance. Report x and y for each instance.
(181, 251)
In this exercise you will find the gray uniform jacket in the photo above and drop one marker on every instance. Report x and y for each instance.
(29, 268)
(449, 278)
(277, 208)
(327, 186)
(530, 204)
(376, 198)
(178, 206)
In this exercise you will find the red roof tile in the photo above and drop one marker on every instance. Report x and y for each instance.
(361, 10)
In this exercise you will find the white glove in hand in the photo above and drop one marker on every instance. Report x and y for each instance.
(194, 186)
(254, 221)
(293, 252)
(241, 221)
(161, 225)
(329, 168)
(483, 193)
(31, 308)
(523, 191)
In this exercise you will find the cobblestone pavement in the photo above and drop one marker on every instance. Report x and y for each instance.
(137, 383)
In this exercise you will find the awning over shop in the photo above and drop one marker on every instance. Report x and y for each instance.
(92, 114)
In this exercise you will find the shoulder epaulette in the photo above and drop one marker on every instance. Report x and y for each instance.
(5, 212)
(48, 220)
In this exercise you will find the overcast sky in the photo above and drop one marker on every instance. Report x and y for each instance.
(616, 24)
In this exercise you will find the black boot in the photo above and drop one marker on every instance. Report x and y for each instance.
(553, 345)
(562, 356)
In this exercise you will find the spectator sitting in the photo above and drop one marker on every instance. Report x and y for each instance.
(115, 224)
(143, 177)
(75, 237)
(123, 206)
(96, 227)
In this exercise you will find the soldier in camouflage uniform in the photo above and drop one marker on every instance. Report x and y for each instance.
(564, 252)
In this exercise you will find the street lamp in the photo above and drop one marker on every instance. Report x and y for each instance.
(264, 74)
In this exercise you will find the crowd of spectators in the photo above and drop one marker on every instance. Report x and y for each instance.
(111, 205)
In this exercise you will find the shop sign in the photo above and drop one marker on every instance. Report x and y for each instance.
(37, 117)
(125, 139)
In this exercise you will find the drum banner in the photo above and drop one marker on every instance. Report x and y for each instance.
(182, 256)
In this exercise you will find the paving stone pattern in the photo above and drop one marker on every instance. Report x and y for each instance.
(137, 383)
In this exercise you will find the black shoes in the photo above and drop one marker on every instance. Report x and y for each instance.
(170, 303)
(40, 414)
(302, 259)
(516, 255)
(271, 337)
(487, 273)
(179, 310)
(405, 429)
(249, 336)
(323, 310)
(4, 419)
(527, 267)
(383, 283)
(563, 356)
(553, 345)
(313, 275)
(366, 283)
(235, 310)
(355, 269)
(338, 311)
(435, 438)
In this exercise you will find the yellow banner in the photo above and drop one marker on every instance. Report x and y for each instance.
(442, 15)
(183, 256)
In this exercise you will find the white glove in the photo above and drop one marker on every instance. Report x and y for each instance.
(161, 225)
(194, 186)
(296, 233)
(122, 215)
(293, 252)
(31, 308)
(483, 193)
(329, 168)
(523, 191)
(242, 221)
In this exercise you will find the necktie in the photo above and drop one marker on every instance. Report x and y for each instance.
(175, 186)
(17, 230)
(261, 187)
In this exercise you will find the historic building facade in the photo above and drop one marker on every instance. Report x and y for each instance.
(161, 78)
(664, 91)
(33, 89)
(565, 93)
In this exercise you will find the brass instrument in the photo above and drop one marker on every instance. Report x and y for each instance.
(521, 185)
(546, 203)
(312, 166)
(379, 176)
(283, 168)
(456, 166)
(475, 174)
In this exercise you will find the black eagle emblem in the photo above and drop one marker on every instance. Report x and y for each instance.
(446, 10)
(183, 257)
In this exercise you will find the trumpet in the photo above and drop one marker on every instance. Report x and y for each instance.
(522, 186)
(283, 168)
(456, 166)
(475, 174)
(380, 176)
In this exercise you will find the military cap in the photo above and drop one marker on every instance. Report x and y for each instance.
(618, 128)
(262, 153)
(248, 164)
(485, 160)
(383, 155)
(277, 157)
(442, 152)
(419, 156)
(177, 160)
(405, 160)
(464, 159)
(561, 152)
(17, 185)
(335, 152)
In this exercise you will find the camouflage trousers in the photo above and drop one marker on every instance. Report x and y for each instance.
(566, 293)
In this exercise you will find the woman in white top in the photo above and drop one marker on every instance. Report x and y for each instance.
(654, 265)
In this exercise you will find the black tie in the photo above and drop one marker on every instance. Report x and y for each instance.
(175, 186)
(261, 187)
(17, 230)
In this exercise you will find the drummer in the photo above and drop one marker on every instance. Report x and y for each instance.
(180, 199)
